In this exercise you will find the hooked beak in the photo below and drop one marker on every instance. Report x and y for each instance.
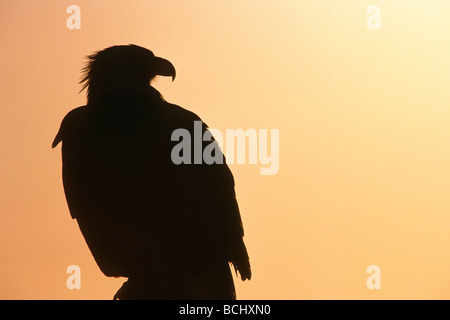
(164, 67)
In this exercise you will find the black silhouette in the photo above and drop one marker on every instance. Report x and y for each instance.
(171, 229)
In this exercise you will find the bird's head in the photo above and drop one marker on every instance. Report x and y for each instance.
(122, 68)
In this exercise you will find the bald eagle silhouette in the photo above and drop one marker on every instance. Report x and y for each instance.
(172, 230)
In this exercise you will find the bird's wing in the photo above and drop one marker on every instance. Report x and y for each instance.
(216, 186)
(225, 188)
(70, 134)
(85, 181)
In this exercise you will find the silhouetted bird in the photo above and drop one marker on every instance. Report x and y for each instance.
(171, 229)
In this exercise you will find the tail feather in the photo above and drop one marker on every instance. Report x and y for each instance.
(241, 261)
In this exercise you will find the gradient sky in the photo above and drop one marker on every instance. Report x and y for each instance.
(363, 116)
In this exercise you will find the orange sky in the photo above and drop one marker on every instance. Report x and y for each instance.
(363, 116)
